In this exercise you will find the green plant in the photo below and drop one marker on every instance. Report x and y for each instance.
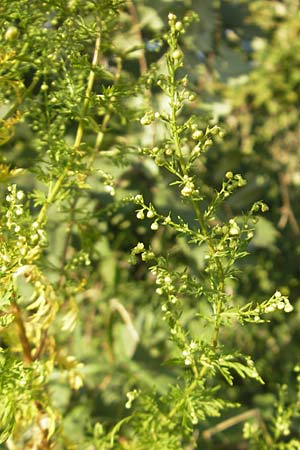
(65, 275)
(168, 422)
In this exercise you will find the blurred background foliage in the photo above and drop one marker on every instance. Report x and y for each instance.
(243, 61)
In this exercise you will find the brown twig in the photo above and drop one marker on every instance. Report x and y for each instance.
(22, 332)
(232, 421)
(228, 423)
(287, 213)
(28, 358)
(135, 20)
(41, 346)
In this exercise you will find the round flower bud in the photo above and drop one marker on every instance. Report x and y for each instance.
(192, 97)
(44, 87)
(147, 119)
(178, 26)
(140, 215)
(288, 308)
(139, 247)
(171, 16)
(150, 214)
(11, 33)
(198, 134)
(177, 54)
(234, 230)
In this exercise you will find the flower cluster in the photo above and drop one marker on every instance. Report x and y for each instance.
(131, 396)
(278, 302)
(25, 237)
(16, 207)
(188, 352)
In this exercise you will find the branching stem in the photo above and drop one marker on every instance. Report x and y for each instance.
(53, 192)
(176, 138)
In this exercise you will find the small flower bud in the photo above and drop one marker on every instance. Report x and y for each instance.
(171, 17)
(20, 195)
(288, 308)
(139, 247)
(198, 134)
(177, 54)
(234, 230)
(147, 119)
(110, 189)
(194, 420)
(19, 210)
(193, 345)
(154, 226)
(192, 97)
(150, 214)
(138, 198)
(188, 189)
(11, 33)
(178, 26)
(214, 130)
(140, 215)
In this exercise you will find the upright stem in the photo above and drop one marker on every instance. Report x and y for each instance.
(28, 358)
(88, 92)
(199, 215)
(22, 333)
(98, 143)
(135, 21)
(53, 191)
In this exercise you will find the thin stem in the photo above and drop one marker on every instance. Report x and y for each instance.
(41, 346)
(26, 93)
(142, 58)
(79, 134)
(88, 92)
(232, 421)
(28, 358)
(135, 20)
(22, 332)
(287, 213)
(199, 215)
(98, 143)
(174, 126)
(179, 404)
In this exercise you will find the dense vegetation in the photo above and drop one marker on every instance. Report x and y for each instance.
(149, 226)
